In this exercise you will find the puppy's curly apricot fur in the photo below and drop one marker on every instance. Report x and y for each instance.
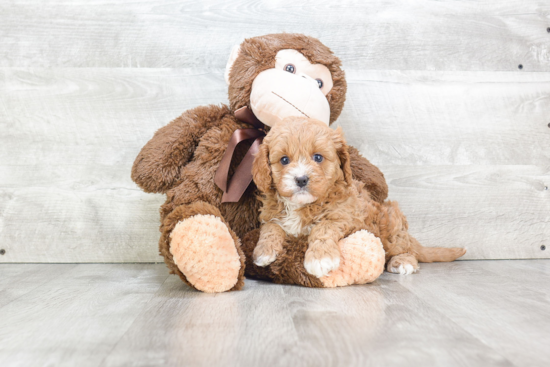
(303, 170)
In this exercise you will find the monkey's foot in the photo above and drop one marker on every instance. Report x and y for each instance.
(206, 253)
(362, 261)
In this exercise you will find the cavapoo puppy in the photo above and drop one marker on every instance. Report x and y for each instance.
(303, 172)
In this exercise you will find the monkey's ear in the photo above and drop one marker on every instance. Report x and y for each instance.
(235, 51)
(343, 154)
(261, 170)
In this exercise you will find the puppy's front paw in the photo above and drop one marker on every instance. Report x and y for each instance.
(322, 258)
(264, 254)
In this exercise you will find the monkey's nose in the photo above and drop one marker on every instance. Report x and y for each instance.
(301, 181)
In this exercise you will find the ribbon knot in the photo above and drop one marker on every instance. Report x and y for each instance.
(234, 189)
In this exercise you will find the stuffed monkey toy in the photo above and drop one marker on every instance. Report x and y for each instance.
(202, 162)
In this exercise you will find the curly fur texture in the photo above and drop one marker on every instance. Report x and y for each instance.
(181, 158)
(336, 205)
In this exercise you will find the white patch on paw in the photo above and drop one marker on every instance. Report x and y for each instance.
(404, 269)
(264, 260)
(321, 268)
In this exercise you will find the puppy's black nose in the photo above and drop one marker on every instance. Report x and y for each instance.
(301, 181)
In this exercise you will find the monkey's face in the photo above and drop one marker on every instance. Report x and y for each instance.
(286, 75)
(294, 87)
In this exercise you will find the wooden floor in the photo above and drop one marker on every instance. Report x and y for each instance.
(467, 313)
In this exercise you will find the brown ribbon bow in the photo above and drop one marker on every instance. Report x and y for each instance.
(234, 189)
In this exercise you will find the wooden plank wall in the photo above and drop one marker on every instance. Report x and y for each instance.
(436, 99)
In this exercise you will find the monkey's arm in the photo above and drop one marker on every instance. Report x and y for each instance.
(158, 165)
(369, 174)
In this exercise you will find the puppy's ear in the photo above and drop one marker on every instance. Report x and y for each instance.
(343, 154)
(261, 170)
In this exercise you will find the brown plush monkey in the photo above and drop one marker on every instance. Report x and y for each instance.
(274, 76)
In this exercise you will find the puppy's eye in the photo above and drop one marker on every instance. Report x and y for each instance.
(320, 82)
(318, 158)
(285, 160)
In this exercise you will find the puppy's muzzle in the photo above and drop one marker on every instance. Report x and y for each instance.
(301, 181)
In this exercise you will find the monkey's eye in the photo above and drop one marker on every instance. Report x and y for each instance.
(320, 82)
(318, 158)
(285, 160)
(290, 68)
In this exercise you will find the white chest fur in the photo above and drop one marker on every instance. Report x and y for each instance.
(291, 221)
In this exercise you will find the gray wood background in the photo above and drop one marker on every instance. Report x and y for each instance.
(436, 99)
